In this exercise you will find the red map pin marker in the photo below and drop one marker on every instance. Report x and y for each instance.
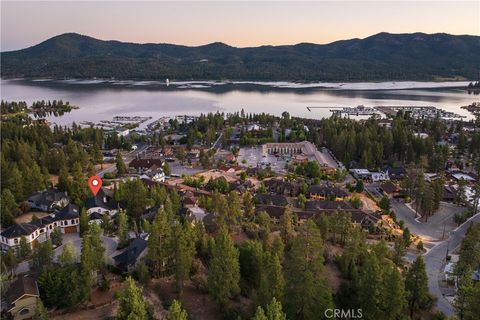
(95, 183)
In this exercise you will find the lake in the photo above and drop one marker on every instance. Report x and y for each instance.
(103, 99)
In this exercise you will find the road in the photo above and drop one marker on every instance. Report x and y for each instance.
(435, 258)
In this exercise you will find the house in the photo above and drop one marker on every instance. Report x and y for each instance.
(48, 200)
(322, 192)
(154, 175)
(365, 174)
(128, 259)
(328, 205)
(283, 187)
(390, 188)
(398, 173)
(462, 176)
(22, 298)
(194, 214)
(102, 203)
(67, 219)
(95, 218)
(142, 165)
(448, 194)
(276, 199)
(189, 201)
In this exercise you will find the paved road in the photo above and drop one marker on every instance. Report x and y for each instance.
(435, 258)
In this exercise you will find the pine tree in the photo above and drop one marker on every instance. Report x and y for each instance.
(306, 288)
(68, 255)
(43, 255)
(184, 252)
(369, 287)
(272, 282)
(286, 226)
(160, 243)
(122, 229)
(121, 167)
(131, 302)
(416, 285)
(224, 272)
(274, 311)
(83, 221)
(8, 208)
(57, 237)
(393, 293)
(25, 249)
(176, 312)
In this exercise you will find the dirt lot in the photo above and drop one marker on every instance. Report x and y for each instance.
(367, 203)
(27, 217)
(214, 174)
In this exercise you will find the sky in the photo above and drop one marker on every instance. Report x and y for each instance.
(240, 24)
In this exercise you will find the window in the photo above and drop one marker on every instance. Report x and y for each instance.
(33, 235)
(72, 221)
(24, 311)
(16, 240)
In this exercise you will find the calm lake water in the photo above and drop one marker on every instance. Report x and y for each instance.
(101, 100)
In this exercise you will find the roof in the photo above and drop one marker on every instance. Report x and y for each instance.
(150, 213)
(462, 176)
(98, 201)
(146, 163)
(19, 230)
(325, 204)
(20, 287)
(130, 255)
(197, 213)
(96, 216)
(389, 187)
(70, 211)
(47, 197)
(326, 190)
(279, 200)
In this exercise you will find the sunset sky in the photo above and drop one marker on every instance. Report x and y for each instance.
(241, 24)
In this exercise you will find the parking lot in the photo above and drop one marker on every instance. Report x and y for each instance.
(253, 156)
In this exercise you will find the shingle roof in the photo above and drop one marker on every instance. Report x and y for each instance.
(71, 211)
(21, 286)
(47, 197)
(325, 204)
(130, 255)
(319, 189)
(19, 230)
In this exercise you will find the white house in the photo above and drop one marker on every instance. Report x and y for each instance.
(39, 230)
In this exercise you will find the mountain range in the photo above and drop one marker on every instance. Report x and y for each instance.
(383, 56)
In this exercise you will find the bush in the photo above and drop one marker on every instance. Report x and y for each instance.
(110, 175)
(420, 245)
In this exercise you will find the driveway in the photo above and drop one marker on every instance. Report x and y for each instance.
(110, 245)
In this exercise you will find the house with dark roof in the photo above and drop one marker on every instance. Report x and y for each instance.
(102, 204)
(284, 187)
(143, 165)
(22, 298)
(276, 199)
(128, 259)
(48, 200)
(323, 192)
(328, 205)
(67, 219)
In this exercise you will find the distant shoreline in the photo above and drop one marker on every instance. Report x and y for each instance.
(222, 85)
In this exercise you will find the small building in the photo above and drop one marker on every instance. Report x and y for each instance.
(48, 200)
(194, 214)
(128, 259)
(22, 298)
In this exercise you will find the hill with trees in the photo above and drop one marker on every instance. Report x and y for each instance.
(383, 56)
